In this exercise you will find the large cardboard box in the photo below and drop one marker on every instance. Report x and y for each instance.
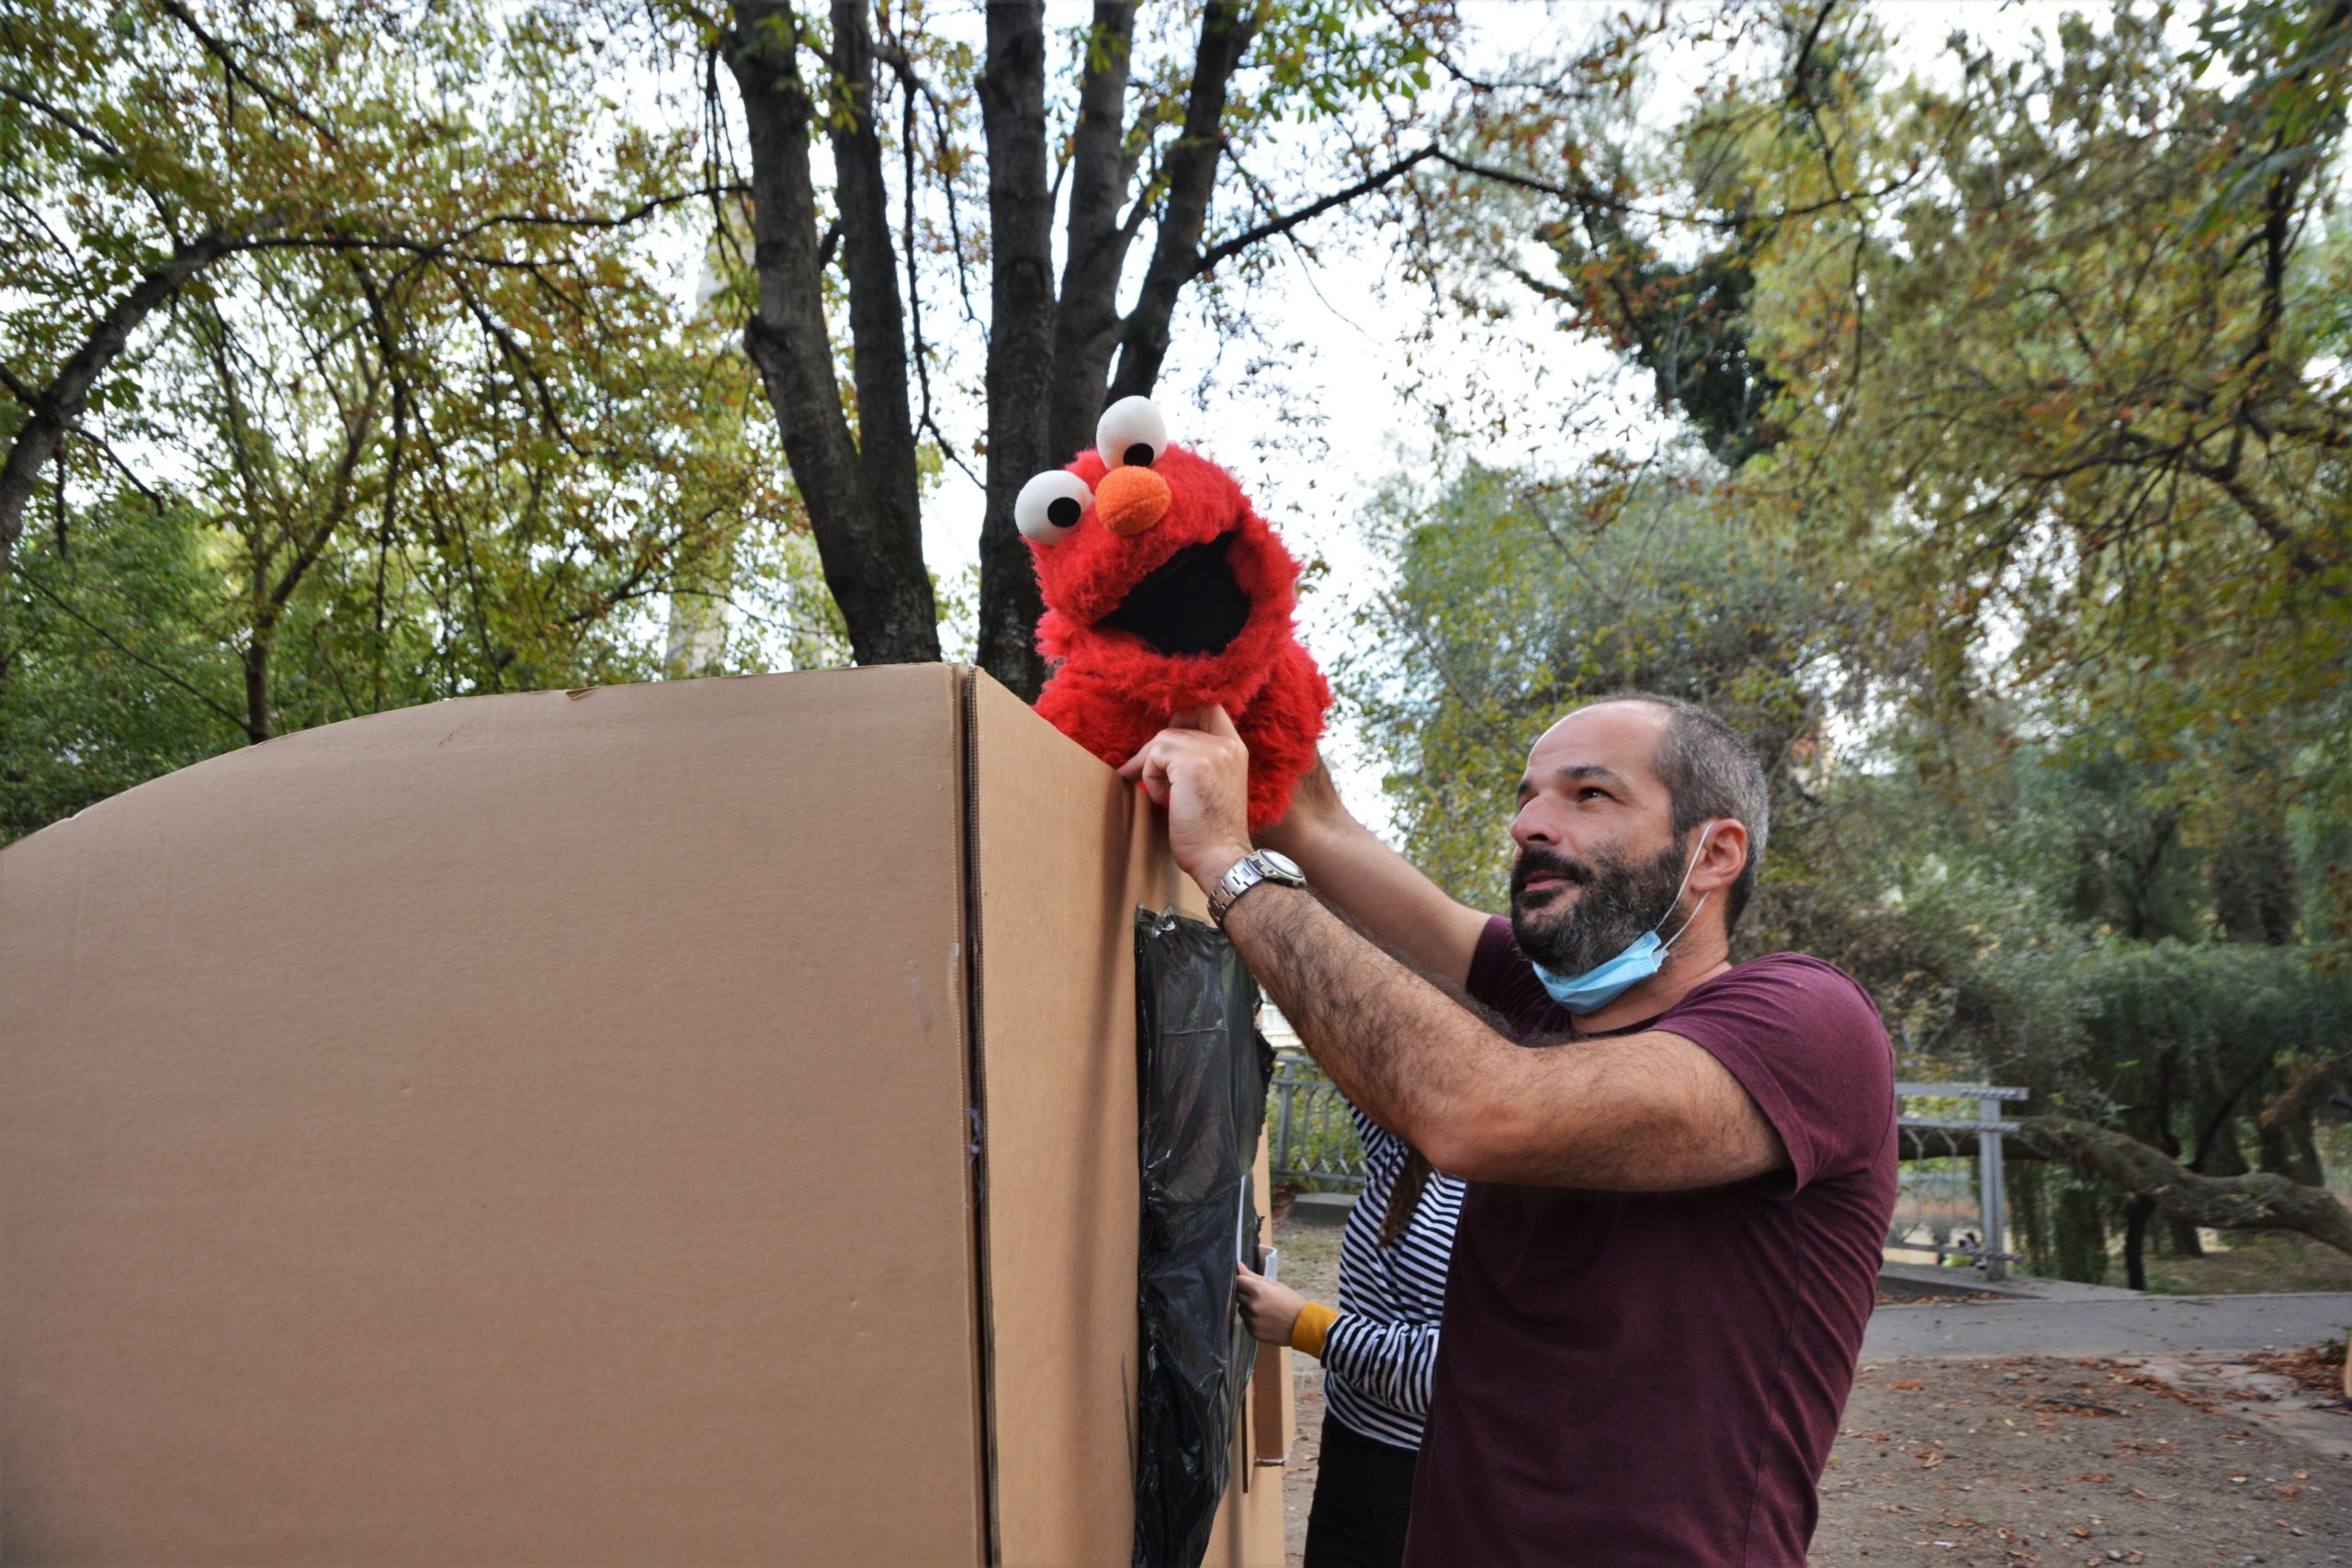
(683, 1124)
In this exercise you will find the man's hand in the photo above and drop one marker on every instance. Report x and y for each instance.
(1270, 1309)
(1198, 769)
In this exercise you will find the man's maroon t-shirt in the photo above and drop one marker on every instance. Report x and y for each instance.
(1656, 1378)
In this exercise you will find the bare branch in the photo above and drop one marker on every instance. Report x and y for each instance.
(55, 409)
(81, 128)
(1283, 223)
(237, 72)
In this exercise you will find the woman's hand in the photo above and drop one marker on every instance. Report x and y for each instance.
(1269, 1308)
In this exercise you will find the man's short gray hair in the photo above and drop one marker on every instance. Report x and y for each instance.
(1711, 770)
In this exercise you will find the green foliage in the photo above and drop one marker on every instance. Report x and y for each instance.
(2040, 358)
(1321, 59)
(1518, 598)
(2043, 354)
(114, 676)
(434, 423)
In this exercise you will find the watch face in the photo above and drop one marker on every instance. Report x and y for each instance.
(1281, 864)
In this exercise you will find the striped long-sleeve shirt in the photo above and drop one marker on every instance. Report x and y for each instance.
(1381, 1353)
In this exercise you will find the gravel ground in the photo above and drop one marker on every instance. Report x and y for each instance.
(2016, 1463)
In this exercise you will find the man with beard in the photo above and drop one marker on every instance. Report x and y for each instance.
(1680, 1169)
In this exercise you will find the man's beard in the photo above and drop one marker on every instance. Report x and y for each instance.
(1569, 932)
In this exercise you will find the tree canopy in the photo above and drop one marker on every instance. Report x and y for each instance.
(2003, 504)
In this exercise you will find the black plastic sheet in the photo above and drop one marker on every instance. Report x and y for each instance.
(1203, 1072)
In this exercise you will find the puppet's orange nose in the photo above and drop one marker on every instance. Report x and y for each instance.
(1131, 500)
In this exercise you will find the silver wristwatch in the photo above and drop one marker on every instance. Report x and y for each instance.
(1257, 865)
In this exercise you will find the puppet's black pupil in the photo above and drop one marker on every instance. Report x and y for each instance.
(1062, 511)
(1140, 454)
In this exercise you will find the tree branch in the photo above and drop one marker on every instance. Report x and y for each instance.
(237, 72)
(1086, 319)
(226, 714)
(2261, 1201)
(81, 128)
(877, 319)
(1226, 30)
(1284, 222)
(58, 407)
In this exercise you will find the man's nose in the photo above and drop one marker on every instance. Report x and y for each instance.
(1131, 500)
(1530, 825)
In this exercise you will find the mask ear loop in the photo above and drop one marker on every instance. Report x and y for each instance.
(1667, 944)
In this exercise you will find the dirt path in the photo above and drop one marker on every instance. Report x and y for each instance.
(2029, 1461)
(2022, 1462)
(2141, 1325)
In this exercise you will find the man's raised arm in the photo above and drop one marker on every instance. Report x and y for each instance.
(1375, 887)
(1651, 1113)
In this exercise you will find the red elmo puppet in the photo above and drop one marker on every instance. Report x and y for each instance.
(1165, 589)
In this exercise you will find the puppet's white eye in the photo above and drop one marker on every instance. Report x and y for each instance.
(1050, 504)
(1131, 432)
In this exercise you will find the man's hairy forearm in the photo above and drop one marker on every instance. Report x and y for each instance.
(1641, 1114)
(1399, 1046)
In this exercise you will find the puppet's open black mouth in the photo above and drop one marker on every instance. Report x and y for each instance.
(1190, 603)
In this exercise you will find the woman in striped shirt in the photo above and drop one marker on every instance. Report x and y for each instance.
(1378, 1350)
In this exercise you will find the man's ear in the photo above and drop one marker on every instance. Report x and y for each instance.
(1722, 858)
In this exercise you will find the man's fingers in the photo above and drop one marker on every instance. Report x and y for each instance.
(1210, 720)
(1149, 768)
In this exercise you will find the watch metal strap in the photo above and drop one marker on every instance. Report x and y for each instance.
(1238, 878)
(1257, 865)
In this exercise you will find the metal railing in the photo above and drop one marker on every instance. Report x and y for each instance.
(1933, 1206)
(1952, 1205)
(1315, 1135)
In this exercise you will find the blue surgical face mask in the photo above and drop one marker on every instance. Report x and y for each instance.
(1645, 956)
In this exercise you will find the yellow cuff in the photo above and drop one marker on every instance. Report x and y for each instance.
(1314, 1321)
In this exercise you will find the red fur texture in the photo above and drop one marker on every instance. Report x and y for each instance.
(1113, 691)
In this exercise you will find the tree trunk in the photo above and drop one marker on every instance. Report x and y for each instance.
(2284, 1153)
(870, 544)
(256, 663)
(2135, 1242)
(1021, 335)
(2262, 1201)
(1086, 322)
(58, 407)
(877, 319)
(1049, 359)
(1226, 28)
